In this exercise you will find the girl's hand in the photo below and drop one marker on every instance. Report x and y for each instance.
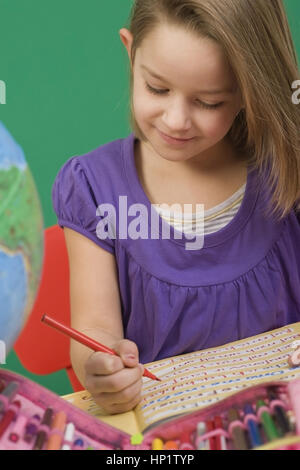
(115, 382)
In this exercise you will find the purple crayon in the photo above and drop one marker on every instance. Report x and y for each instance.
(31, 428)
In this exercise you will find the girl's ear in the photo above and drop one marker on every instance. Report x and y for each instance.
(127, 39)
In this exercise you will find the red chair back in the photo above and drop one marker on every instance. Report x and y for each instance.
(40, 348)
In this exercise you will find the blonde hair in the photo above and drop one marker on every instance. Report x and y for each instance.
(257, 42)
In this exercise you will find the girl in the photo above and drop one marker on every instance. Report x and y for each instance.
(215, 127)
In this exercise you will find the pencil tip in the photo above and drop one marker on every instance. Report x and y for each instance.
(43, 318)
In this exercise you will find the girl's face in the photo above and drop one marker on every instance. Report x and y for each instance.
(183, 87)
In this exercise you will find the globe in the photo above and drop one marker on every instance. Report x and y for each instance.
(21, 240)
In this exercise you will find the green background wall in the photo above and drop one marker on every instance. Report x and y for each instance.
(66, 75)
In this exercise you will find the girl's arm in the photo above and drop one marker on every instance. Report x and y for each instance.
(94, 297)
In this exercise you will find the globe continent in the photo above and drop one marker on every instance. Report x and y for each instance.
(21, 239)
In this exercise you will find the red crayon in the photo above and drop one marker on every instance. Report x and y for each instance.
(185, 441)
(220, 440)
(212, 440)
(2, 385)
(83, 339)
(9, 416)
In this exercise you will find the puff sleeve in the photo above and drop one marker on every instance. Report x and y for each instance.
(75, 203)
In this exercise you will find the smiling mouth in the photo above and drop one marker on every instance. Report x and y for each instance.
(174, 138)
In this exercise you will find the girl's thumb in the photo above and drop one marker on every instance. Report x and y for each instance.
(128, 352)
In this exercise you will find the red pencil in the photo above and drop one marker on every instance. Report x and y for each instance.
(83, 339)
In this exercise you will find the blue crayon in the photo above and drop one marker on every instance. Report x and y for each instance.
(78, 444)
(254, 434)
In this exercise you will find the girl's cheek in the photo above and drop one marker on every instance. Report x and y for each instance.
(145, 109)
(210, 128)
(215, 126)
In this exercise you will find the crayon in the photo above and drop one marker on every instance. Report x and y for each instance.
(89, 342)
(201, 430)
(2, 385)
(280, 414)
(212, 440)
(268, 424)
(292, 420)
(58, 425)
(42, 434)
(157, 444)
(18, 428)
(8, 394)
(78, 444)
(68, 437)
(9, 416)
(254, 434)
(220, 440)
(31, 428)
(185, 441)
(170, 445)
(239, 436)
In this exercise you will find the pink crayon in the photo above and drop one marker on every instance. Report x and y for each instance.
(18, 428)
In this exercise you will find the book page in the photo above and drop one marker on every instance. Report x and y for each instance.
(125, 422)
(198, 379)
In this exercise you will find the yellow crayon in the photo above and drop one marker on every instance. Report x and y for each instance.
(157, 444)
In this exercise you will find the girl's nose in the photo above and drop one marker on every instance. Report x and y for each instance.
(177, 117)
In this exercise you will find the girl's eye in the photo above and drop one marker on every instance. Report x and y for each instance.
(155, 91)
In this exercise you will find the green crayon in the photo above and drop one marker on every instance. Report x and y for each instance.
(268, 423)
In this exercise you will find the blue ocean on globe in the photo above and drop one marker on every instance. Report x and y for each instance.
(11, 154)
(21, 239)
(13, 300)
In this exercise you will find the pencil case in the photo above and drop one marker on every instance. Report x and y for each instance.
(180, 433)
(29, 404)
(186, 432)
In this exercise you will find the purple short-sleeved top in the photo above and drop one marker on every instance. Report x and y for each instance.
(243, 281)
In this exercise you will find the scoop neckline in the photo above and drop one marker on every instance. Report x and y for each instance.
(229, 201)
(212, 239)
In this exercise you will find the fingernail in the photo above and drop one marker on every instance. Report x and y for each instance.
(130, 356)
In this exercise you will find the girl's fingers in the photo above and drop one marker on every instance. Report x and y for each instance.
(114, 383)
(114, 408)
(100, 363)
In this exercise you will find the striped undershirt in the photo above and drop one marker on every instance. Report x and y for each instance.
(214, 219)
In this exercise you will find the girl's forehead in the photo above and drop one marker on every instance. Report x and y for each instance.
(177, 37)
(172, 53)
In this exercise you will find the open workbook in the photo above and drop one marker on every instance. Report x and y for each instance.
(198, 379)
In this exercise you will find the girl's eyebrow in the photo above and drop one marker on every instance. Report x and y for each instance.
(207, 92)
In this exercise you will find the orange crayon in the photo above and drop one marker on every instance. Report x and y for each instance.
(58, 424)
(170, 445)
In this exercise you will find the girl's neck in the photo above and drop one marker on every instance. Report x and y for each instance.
(210, 163)
(172, 182)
